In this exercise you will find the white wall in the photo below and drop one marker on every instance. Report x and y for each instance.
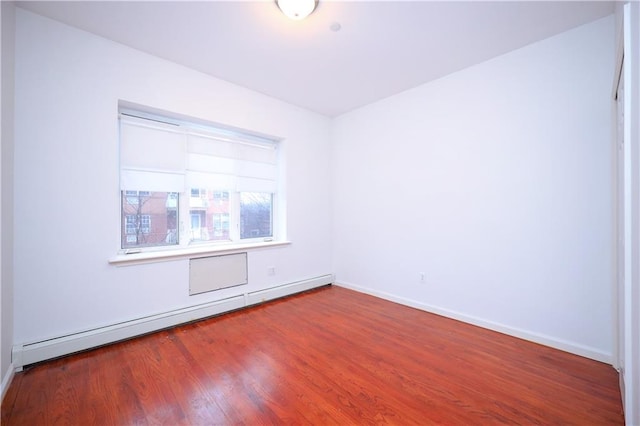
(7, 19)
(496, 182)
(67, 85)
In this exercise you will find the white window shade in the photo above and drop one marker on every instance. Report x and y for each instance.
(152, 157)
(153, 148)
(157, 156)
(256, 170)
(213, 181)
(237, 149)
(256, 177)
(248, 166)
(207, 163)
(246, 184)
(256, 152)
(210, 146)
(145, 180)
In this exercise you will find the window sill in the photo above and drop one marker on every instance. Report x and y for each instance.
(186, 253)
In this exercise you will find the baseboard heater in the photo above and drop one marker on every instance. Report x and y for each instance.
(32, 353)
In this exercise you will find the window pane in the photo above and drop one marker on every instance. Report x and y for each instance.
(209, 214)
(149, 219)
(256, 212)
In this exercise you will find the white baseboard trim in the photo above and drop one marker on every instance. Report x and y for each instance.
(567, 346)
(287, 289)
(6, 381)
(30, 353)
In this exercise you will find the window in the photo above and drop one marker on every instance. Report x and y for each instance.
(137, 224)
(150, 208)
(256, 214)
(220, 197)
(134, 197)
(198, 193)
(186, 183)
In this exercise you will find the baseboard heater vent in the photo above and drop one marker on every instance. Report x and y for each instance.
(287, 289)
(216, 272)
(34, 352)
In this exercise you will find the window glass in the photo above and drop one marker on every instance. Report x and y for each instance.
(220, 226)
(149, 218)
(209, 213)
(256, 215)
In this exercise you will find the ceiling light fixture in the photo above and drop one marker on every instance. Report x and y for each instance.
(297, 9)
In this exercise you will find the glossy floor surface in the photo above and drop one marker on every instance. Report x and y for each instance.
(329, 356)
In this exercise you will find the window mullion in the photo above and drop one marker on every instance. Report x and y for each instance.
(184, 218)
(234, 216)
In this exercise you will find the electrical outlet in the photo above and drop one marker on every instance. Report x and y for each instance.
(271, 270)
(423, 278)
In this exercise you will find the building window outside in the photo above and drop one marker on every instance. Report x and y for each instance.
(199, 231)
(137, 226)
(134, 197)
(208, 203)
(220, 196)
(198, 193)
(221, 226)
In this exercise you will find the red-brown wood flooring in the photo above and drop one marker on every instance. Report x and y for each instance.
(329, 356)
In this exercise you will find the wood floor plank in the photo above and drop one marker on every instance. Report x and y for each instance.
(329, 357)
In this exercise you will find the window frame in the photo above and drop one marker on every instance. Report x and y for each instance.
(185, 244)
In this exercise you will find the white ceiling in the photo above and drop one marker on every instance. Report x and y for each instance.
(382, 48)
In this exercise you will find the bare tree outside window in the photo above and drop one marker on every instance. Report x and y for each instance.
(149, 219)
(256, 215)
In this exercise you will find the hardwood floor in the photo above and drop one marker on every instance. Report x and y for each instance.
(329, 356)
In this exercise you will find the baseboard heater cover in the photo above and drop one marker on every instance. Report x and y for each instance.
(261, 296)
(32, 353)
(215, 272)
